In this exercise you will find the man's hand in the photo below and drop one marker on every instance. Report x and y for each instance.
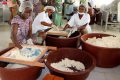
(30, 41)
(66, 26)
(19, 46)
(46, 24)
(50, 24)
(82, 27)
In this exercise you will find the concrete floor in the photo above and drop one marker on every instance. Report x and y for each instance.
(96, 74)
(4, 35)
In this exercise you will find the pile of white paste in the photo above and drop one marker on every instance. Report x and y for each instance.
(109, 42)
(66, 65)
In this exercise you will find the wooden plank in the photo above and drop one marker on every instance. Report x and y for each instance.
(49, 47)
(42, 53)
(52, 48)
(59, 33)
(30, 63)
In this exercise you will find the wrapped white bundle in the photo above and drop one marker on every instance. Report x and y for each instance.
(66, 64)
(109, 41)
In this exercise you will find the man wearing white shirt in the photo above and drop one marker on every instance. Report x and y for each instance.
(42, 22)
(80, 21)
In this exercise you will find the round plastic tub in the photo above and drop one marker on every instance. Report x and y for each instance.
(105, 57)
(25, 73)
(73, 54)
(62, 42)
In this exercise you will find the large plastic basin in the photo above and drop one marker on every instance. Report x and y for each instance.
(25, 73)
(73, 54)
(105, 57)
(62, 42)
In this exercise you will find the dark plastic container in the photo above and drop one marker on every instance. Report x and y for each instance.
(73, 54)
(26, 73)
(62, 42)
(105, 57)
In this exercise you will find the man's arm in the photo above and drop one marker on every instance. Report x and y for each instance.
(30, 30)
(46, 24)
(82, 27)
(66, 26)
(14, 36)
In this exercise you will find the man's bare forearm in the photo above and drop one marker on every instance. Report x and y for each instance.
(46, 24)
(82, 27)
(66, 26)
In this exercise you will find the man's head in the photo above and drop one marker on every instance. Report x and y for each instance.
(82, 9)
(49, 10)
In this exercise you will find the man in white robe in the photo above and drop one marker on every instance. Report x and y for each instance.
(41, 23)
(80, 21)
(42, 20)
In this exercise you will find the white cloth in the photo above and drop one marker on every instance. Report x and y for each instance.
(49, 7)
(41, 17)
(76, 22)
